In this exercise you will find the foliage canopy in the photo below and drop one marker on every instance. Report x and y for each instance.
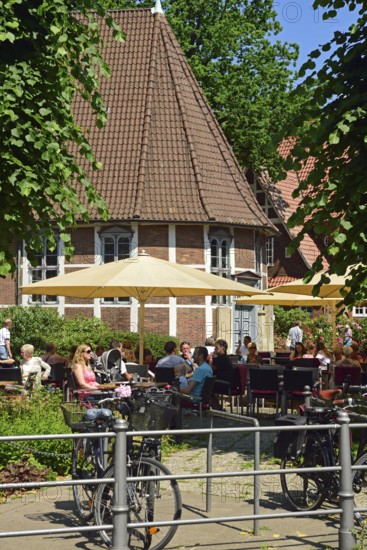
(47, 56)
(332, 145)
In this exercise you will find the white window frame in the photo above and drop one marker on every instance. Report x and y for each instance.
(221, 240)
(45, 269)
(258, 253)
(270, 251)
(115, 234)
(359, 311)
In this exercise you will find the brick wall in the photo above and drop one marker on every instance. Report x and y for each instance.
(294, 266)
(154, 240)
(8, 290)
(244, 251)
(189, 244)
(83, 241)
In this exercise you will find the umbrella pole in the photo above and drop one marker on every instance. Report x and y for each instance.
(141, 331)
(333, 321)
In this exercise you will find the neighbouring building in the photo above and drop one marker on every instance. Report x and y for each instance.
(173, 188)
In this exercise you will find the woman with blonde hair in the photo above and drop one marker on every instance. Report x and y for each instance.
(84, 376)
(33, 366)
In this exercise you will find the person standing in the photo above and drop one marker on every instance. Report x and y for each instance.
(5, 349)
(295, 335)
(347, 338)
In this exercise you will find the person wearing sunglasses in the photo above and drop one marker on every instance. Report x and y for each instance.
(84, 376)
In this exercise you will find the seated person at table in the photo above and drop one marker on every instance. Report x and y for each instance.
(242, 349)
(51, 357)
(347, 361)
(180, 374)
(323, 354)
(128, 354)
(171, 359)
(33, 366)
(221, 363)
(84, 376)
(298, 352)
(186, 354)
(310, 352)
(203, 370)
(253, 357)
(356, 355)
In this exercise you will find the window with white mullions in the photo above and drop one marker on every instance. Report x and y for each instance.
(46, 268)
(359, 311)
(220, 263)
(116, 245)
(270, 251)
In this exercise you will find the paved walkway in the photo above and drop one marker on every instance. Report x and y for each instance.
(53, 508)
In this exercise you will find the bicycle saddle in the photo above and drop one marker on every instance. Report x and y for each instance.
(100, 414)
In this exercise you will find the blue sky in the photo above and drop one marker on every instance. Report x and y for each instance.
(305, 26)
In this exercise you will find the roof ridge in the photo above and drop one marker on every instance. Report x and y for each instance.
(147, 120)
(224, 151)
(168, 33)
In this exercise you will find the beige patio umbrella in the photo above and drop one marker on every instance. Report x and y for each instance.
(140, 277)
(329, 290)
(273, 298)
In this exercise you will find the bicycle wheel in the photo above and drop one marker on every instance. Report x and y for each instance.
(147, 501)
(85, 465)
(360, 490)
(306, 491)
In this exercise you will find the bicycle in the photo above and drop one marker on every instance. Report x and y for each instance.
(147, 500)
(305, 449)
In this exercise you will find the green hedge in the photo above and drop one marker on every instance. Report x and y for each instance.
(39, 415)
(38, 325)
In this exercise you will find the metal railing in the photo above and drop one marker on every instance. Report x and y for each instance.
(120, 510)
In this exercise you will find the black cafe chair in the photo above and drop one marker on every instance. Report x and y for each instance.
(263, 384)
(141, 370)
(165, 375)
(11, 374)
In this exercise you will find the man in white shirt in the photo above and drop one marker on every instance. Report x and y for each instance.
(5, 350)
(295, 334)
(242, 349)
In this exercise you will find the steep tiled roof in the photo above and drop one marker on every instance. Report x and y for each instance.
(280, 280)
(164, 155)
(280, 194)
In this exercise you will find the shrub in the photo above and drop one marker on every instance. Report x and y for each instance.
(39, 415)
(37, 326)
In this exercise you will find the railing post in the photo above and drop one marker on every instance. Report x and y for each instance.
(120, 508)
(256, 478)
(346, 538)
(209, 468)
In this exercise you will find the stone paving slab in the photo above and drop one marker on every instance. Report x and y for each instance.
(54, 509)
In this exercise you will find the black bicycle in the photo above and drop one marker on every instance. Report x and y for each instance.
(148, 501)
(320, 448)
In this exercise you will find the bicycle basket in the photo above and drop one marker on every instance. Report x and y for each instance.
(153, 412)
(74, 413)
(288, 444)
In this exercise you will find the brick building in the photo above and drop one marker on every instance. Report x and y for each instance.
(172, 186)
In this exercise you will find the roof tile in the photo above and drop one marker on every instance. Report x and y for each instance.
(164, 155)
